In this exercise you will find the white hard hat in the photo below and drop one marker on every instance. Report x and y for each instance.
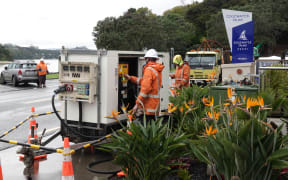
(151, 53)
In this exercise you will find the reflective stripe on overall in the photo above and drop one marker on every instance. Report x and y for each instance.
(156, 96)
(181, 76)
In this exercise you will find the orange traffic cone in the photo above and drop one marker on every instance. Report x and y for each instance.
(1, 175)
(67, 166)
(32, 128)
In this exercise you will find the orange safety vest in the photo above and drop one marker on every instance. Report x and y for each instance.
(182, 75)
(42, 69)
(150, 83)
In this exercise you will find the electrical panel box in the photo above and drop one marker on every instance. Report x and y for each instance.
(80, 80)
(123, 69)
(95, 87)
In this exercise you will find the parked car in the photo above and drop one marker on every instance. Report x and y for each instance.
(20, 71)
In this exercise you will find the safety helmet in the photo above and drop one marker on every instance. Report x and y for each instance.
(178, 60)
(151, 53)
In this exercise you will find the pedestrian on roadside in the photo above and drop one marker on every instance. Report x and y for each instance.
(182, 73)
(148, 99)
(42, 72)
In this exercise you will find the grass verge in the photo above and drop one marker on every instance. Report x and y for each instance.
(52, 76)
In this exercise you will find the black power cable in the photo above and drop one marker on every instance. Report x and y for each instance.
(63, 89)
(91, 164)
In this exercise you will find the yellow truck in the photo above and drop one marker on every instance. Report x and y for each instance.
(205, 66)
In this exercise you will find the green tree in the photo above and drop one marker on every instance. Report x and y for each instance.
(4, 54)
(200, 13)
(140, 29)
(107, 35)
(135, 30)
(179, 33)
(180, 10)
(270, 24)
(31, 52)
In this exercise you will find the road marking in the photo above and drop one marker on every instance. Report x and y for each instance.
(36, 101)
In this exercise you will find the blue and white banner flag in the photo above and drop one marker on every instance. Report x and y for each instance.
(240, 32)
(234, 18)
(242, 47)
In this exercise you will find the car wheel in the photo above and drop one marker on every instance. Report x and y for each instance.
(15, 82)
(2, 81)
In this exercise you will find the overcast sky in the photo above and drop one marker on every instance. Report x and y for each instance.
(53, 23)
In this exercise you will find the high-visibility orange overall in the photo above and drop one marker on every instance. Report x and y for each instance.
(42, 68)
(151, 83)
(182, 76)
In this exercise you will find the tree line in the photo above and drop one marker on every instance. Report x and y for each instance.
(17, 52)
(4, 54)
(185, 27)
(9, 52)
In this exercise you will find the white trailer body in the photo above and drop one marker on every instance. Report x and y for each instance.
(95, 88)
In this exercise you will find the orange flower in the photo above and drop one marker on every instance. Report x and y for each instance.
(191, 102)
(171, 108)
(236, 100)
(244, 98)
(248, 104)
(229, 92)
(173, 91)
(215, 115)
(130, 111)
(268, 124)
(181, 109)
(226, 104)
(210, 131)
(251, 102)
(208, 102)
(209, 115)
(187, 106)
(261, 101)
(124, 108)
(205, 100)
(115, 114)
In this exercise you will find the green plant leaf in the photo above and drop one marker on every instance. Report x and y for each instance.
(279, 164)
(279, 154)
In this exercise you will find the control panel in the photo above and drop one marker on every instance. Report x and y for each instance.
(80, 81)
(123, 69)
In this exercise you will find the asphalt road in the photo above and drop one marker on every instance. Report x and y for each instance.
(16, 104)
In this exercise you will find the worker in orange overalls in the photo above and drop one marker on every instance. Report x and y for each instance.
(148, 99)
(182, 74)
(42, 71)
